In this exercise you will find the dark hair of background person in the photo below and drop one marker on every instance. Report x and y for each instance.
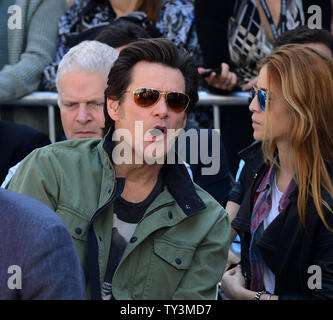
(122, 33)
(303, 35)
(157, 50)
(141, 18)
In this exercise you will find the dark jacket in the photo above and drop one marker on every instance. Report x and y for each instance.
(38, 258)
(16, 142)
(287, 247)
(219, 184)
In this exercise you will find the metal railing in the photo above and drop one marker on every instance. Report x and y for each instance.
(217, 101)
(50, 100)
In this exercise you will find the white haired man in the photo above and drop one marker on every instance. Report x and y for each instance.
(81, 81)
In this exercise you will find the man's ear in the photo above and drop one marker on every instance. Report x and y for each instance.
(113, 109)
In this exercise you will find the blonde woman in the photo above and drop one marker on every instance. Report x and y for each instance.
(285, 221)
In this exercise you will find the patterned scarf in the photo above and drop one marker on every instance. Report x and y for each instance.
(261, 209)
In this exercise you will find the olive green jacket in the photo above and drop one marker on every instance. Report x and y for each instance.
(179, 248)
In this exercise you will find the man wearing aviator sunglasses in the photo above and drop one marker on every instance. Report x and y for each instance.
(147, 97)
(142, 230)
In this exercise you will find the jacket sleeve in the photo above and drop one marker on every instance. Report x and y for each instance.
(40, 36)
(36, 178)
(319, 275)
(208, 264)
(237, 192)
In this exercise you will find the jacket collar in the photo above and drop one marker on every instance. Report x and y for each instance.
(176, 178)
(252, 155)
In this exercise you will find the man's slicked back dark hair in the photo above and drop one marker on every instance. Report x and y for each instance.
(157, 50)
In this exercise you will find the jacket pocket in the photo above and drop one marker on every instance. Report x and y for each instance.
(77, 224)
(168, 264)
(180, 257)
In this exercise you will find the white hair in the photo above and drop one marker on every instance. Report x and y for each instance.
(89, 56)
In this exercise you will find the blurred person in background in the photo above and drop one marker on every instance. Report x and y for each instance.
(28, 41)
(173, 19)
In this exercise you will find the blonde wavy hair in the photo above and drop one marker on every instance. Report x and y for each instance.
(305, 78)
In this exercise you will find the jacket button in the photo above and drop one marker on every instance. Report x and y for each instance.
(178, 261)
(78, 230)
(133, 239)
(170, 214)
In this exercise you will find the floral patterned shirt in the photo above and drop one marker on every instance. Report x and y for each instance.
(176, 22)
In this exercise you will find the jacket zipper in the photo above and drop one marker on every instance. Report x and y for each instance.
(106, 205)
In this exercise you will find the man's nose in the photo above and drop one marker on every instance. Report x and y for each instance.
(161, 108)
(83, 115)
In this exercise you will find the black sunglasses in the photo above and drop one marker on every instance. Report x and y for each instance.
(146, 97)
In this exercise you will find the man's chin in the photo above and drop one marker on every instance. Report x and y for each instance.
(156, 152)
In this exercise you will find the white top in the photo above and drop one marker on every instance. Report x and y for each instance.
(269, 277)
(9, 175)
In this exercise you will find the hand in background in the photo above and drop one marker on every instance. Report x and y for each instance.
(233, 283)
(232, 259)
(226, 80)
(250, 83)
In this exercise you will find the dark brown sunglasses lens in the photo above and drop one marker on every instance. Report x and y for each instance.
(146, 97)
(177, 101)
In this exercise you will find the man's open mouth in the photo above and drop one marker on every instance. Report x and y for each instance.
(158, 132)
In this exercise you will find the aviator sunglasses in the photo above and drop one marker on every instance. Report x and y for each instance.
(146, 97)
(262, 97)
